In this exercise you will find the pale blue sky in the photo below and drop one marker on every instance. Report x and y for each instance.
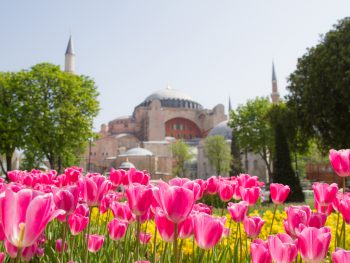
(208, 49)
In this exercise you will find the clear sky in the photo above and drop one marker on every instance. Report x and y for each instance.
(210, 49)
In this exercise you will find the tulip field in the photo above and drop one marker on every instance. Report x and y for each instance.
(87, 217)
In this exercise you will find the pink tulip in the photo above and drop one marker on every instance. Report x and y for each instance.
(95, 242)
(136, 176)
(328, 209)
(250, 195)
(77, 223)
(253, 225)
(207, 230)
(115, 176)
(212, 185)
(317, 220)
(178, 181)
(279, 193)
(82, 209)
(40, 252)
(200, 207)
(117, 229)
(238, 211)
(225, 191)
(282, 248)
(145, 237)
(11, 250)
(344, 208)
(259, 251)
(2, 257)
(341, 256)
(313, 243)
(186, 228)
(73, 173)
(247, 181)
(122, 211)
(195, 188)
(25, 214)
(142, 261)
(29, 252)
(340, 161)
(93, 188)
(66, 198)
(164, 225)
(296, 215)
(324, 193)
(203, 187)
(140, 198)
(59, 246)
(176, 202)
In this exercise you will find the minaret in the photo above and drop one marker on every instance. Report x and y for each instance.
(229, 107)
(275, 96)
(69, 65)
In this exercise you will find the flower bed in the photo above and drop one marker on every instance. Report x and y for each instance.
(72, 217)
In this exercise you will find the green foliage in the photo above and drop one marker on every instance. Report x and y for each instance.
(13, 114)
(251, 125)
(319, 89)
(181, 153)
(283, 171)
(47, 113)
(62, 109)
(218, 153)
(236, 163)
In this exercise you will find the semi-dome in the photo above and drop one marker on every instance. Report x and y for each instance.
(222, 129)
(137, 152)
(170, 97)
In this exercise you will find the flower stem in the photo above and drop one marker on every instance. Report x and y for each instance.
(88, 235)
(273, 218)
(336, 232)
(19, 252)
(64, 237)
(240, 243)
(154, 244)
(175, 243)
(72, 248)
(164, 252)
(138, 230)
(202, 256)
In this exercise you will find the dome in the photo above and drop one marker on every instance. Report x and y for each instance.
(137, 152)
(222, 129)
(172, 98)
(126, 165)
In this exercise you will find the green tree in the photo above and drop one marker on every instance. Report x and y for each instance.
(12, 117)
(181, 154)
(60, 115)
(218, 153)
(283, 172)
(236, 163)
(250, 123)
(319, 89)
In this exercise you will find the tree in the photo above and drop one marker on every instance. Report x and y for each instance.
(319, 89)
(60, 115)
(12, 116)
(283, 172)
(251, 125)
(218, 153)
(181, 153)
(236, 163)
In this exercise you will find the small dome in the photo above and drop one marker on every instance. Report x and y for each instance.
(222, 129)
(126, 165)
(172, 98)
(137, 152)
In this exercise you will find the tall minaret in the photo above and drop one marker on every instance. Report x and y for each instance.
(69, 65)
(275, 96)
(229, 107)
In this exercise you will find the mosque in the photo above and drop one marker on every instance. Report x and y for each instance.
(144, 138)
